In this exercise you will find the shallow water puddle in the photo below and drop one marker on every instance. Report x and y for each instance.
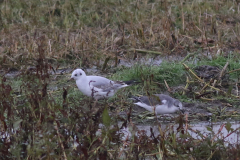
(217, 130)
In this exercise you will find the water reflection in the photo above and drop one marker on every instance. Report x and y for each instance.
(205, 128)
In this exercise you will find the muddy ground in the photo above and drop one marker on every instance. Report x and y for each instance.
(214, 109)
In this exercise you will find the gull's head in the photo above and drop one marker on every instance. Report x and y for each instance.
(78, 74)
(178, 104)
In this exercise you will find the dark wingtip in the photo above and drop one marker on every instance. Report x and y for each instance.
(131, 82)
(134, 98)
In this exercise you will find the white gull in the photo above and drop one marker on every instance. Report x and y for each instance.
(160, 103)
(96, 86)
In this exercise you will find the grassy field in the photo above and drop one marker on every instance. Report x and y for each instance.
(43, 116)
(89, 32)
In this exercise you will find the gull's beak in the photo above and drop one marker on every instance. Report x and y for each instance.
(181, 108)
(182, 111)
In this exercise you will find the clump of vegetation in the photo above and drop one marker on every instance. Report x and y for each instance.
(38, 124)
(165, 71)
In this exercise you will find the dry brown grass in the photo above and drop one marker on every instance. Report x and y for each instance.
(88, 32)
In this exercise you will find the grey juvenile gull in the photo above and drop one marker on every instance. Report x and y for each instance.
(160, 103)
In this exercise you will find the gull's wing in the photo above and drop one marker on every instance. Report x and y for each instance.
(98, 81)
(169, 101)
(112, 85)
(151, 101)
(157, 99)
(105, 84)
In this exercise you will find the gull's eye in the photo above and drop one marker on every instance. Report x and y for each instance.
(75, 75)
(80, 74)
